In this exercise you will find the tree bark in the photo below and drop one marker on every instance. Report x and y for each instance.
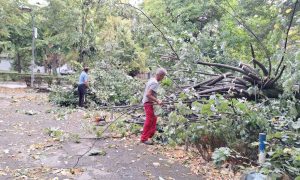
(18, 65)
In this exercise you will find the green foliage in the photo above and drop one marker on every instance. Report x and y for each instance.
(117, 40)
(236, 123)
(56, 133)
(166, 82)
(220, 155)
(63, 97)
(283, 137)
(115, 86)
(75, 138)
(123, 129)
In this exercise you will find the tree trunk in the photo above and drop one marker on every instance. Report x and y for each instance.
(18, 65)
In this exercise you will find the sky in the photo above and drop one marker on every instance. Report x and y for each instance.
(46, 2)
(40, 3)
(135, 2)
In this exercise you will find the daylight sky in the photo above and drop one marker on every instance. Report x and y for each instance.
(45, 2)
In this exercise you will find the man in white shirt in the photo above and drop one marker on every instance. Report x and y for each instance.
(149, 99)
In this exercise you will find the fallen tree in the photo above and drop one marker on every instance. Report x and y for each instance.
(239, 80)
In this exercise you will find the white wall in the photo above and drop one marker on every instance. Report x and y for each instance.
(41, 68)
(5, 64)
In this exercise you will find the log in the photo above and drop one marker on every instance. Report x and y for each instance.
(223, 66)
(219, 78)
(203, 83)
(216, 89)
(277, 77)
(254, 77)
(212, 80)
(241, 81)
(262, 67)
(253, 55)
(247, 68)
(267, 83)
(234, 81)
(252, 81)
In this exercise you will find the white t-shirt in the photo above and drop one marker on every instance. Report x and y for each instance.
(153, 85)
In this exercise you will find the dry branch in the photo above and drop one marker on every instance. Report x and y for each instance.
(219, 78)
(247, 68)
(286, 37)
(278, 76)
(163, 35)
(261, 66)
(223, 66)
(253, 55)
(216, 89)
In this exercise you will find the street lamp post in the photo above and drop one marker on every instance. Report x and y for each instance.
(28, 9)
(33, 48)
(40, 3)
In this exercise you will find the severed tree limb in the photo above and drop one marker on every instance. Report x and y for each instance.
(251, 80)
(243, 92)
(203, 83)
(241, 81)
(261, 66)
(219, 78)
(163, 35)
(217, 89)
(286, 37)
(278, 76)
(234, 81)
(212, 80)
(243, 23)
(238, 86)
(250, 73)
(253, 55)
(247, 68)
(254, 77)
(223, 66)
(198, 72)
(267, 83)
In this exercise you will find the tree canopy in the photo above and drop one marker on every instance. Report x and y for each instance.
(224, 51)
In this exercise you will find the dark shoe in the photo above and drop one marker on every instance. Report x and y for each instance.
(148, 142)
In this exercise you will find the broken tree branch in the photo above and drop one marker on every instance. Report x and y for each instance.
(223, 66)
(247, 68)
(243, 23)
(163, 35)
(219, 78)
(253, 55)
(261, 66)
(278, 76)
(286, 37)
(217, 89)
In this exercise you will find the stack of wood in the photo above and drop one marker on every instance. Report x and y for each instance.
(237, 82)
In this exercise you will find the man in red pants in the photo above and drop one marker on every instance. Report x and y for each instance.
(149, 98)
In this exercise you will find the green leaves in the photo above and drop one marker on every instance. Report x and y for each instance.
(220, 155)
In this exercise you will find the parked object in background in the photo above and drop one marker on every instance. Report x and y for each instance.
(65, 70)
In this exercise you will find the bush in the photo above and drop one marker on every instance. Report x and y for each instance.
(218, 122)
(64, 97)
(107, 87)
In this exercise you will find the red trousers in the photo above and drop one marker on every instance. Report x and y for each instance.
(150, 122)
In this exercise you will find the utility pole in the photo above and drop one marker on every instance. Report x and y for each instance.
(33, 49)
(39, 3)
